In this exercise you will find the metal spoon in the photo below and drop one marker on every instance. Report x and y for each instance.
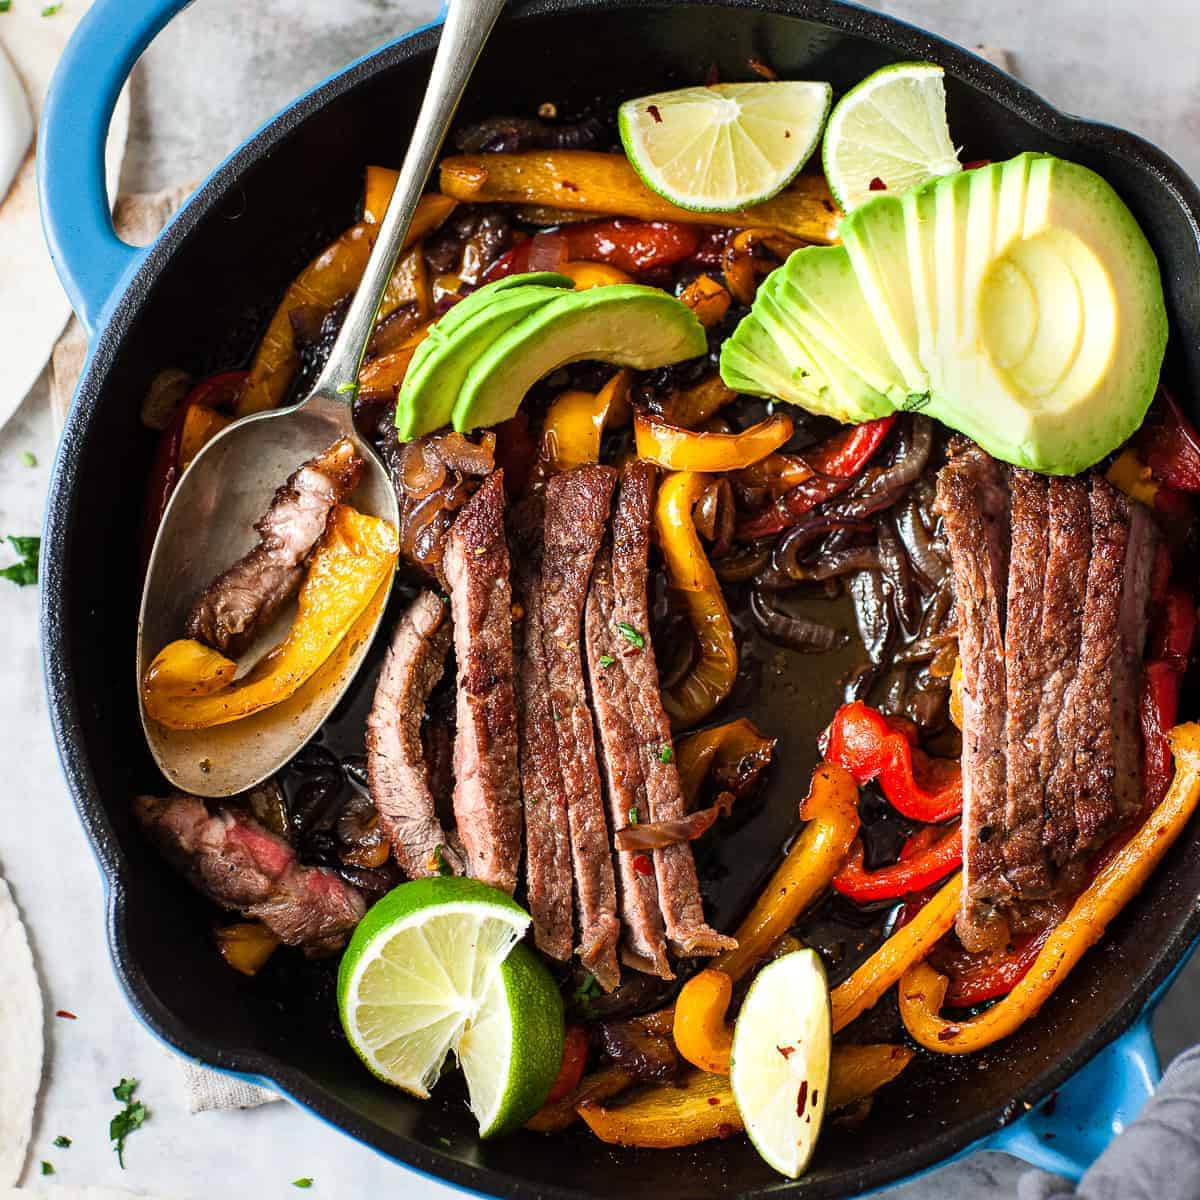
(208, 523)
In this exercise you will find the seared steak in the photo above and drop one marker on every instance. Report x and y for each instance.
(974, 501)
(487, 791)
(643, 944)
(577, 504)
(237, 863)
(400, 785)
(240, 601)
(548, 872)
(649, 729)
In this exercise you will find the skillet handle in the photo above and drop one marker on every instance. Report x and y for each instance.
(92, 262)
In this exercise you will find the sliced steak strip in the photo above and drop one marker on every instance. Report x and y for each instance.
(487, 791)
(1065, 594)
(243, 599)
(1025, 861)
(674, 866)
(973, 498)
(237, 863)
(396, 767)
(548, 873)
(577, 504)
(643, 945)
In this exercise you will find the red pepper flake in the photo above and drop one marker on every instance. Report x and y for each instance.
(949, 1033)
(802, 1097)
(877, 185)
(808, 1118)
(652, 109)
(714, 76)
(566, 183)
(66, 1016)
(786, 1051)
(714, 1100)
(760, 68)
(816, 1093)
(641, 864)
(787, 133)
(725, 1130)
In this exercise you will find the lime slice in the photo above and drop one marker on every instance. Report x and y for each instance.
(889, 133)
(419, 969)
(779, 1068)
(713, 149)
(512, 1049)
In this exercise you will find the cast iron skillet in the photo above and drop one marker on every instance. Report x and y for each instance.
(198, 299)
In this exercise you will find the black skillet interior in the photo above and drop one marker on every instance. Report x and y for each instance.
(200, 302)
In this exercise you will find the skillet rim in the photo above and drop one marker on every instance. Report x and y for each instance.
(64, 705)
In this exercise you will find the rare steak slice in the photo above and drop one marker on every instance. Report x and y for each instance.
(487, 790)
(576, 512)
(243, 599)
(548, 872)
(973, 497)
(626, 639)
(239, 864)
(396, 766)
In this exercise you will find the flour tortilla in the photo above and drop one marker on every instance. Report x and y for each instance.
(33, 306)
(21, 1040)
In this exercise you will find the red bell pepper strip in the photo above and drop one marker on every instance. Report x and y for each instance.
(574, 1059)
(632, 246)
(918, 868)
(994, 975)
(871, 747)
(1170, 652)
(1172, 449)
(833, 466)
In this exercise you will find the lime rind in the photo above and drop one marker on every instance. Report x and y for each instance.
(724, 147)
(891, 126)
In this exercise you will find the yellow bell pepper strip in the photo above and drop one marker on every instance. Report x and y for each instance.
(1131, 475)
(246, 946)
(741, 266)
(200, 425)
(575, 423)
(701, 1035)
(702, 1107)
(908, 945)
(352, 561)
(679, 449)
(606, 184)
(589, 274)
(601, 1085)
(737, 746)
(432, 209)
(692, 580)
(334, 273)
(707, 299)
(831, 810)
(922, 989)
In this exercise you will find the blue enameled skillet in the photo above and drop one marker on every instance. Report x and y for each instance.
(198, 298)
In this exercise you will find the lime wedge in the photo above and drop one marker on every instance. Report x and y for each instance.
(432, 968)
(512, 1049)
(713, 149)
(779, 1069)
(888, 133)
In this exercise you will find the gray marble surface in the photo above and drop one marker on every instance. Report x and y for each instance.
(213, 76)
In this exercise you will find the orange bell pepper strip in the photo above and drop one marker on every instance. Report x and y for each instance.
(246, 946)
(701, 1035)
(692, 407)
(722, 746)
(703, 1108)
(589, 274)
(923, 990)
(352, 562)
(380, 378)
(200, 425)
(334, 273)
(679, 449)
(692, 580)
(575, 423)
(831, 810)
(908, 945)
(707, 299)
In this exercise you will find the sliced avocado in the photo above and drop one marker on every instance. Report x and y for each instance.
(1064, 339)
(846, 395)
(821, 291)
(951, 208)
(431, 385)
(874, 237)
(1010, 206)
(624, 324)
(919, 224)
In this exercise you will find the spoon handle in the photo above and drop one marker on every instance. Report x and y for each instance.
(467, 26)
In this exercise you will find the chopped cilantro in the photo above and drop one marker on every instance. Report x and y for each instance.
(633, 815)
(28, 458)
(303, 1182)
(347, 389)
(439, 861)
(444, 1141)
(584, 993)
(47, 1168)
(129, 1119)
(62, 1142)
(24, 572)
(665, 753)
(607, 660)
(5, 5)
(51, 9)
(631, 635)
